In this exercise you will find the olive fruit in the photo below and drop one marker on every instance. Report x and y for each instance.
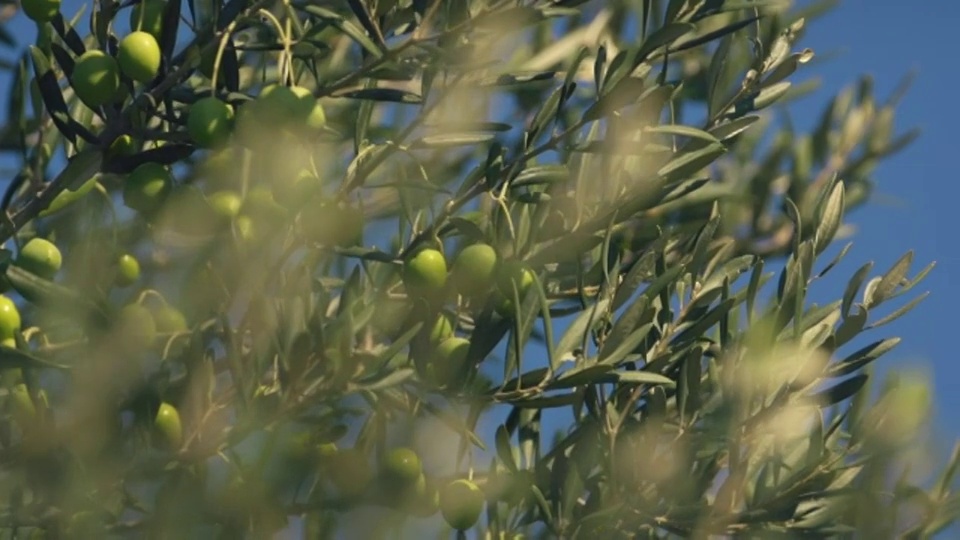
(147, 15)
(136, 327)
(513, 275)
(128, 270)
(226, 203)
(139, 56)
(209, 121)
(425, 273)
(96, 78)
(450, 360)
(40, 257)
(124, 145)
(474, 269)
(41, 11)
(169, 320)
(442, 329)
(9, 318)
(461, 503)
(402, 467)
(285, 103)
(168, 430)
(147, 187)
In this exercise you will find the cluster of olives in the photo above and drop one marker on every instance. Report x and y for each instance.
(476, 270)
(401, 474)
(43, 259)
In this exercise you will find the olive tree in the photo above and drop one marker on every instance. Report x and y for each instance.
(534, 268)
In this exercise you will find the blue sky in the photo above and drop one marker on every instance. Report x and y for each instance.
(915, 189)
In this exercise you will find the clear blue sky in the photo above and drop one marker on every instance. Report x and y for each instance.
(884, 38)
(916, 188)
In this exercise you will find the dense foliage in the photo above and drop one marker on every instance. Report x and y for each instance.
(514, 268)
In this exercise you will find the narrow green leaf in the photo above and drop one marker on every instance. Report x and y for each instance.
(383, 94)
(337, 21)
(644, 377)
(899, 312)
(573, 337)
(862, 357)
(830, 218)
(853, 287)
(503, 448)
(684, 165)
(613, 356)
(453, 139)
(891, 280)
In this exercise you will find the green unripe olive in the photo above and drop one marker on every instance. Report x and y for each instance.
(41, 11)
(425, 273)
(147, 188)
(139, 56)
(40, 257)
(136, 327)
(209, 122)
(442, 329)
(317, 117)
(402, 467)
(128, 270)
(474, 269)
(513, 275)
(123, 145)
(169, 320)
(9, 318)
(349, 472)
(285, 103)
(96, 78)
(461, 503)
(167, 427)
(449, 361)
(148, 17)
(326, 451)
(226, 203)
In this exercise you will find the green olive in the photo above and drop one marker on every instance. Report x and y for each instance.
(425, 274)
(40, 257)
(128, 270)
(450, 361)
(139, 56)
(147, 188)
(402, 467)
(474, 269)
(95, 78)
(9, 319)
(461, 503)
(442, 329)
(209, 122)
(167, 427)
